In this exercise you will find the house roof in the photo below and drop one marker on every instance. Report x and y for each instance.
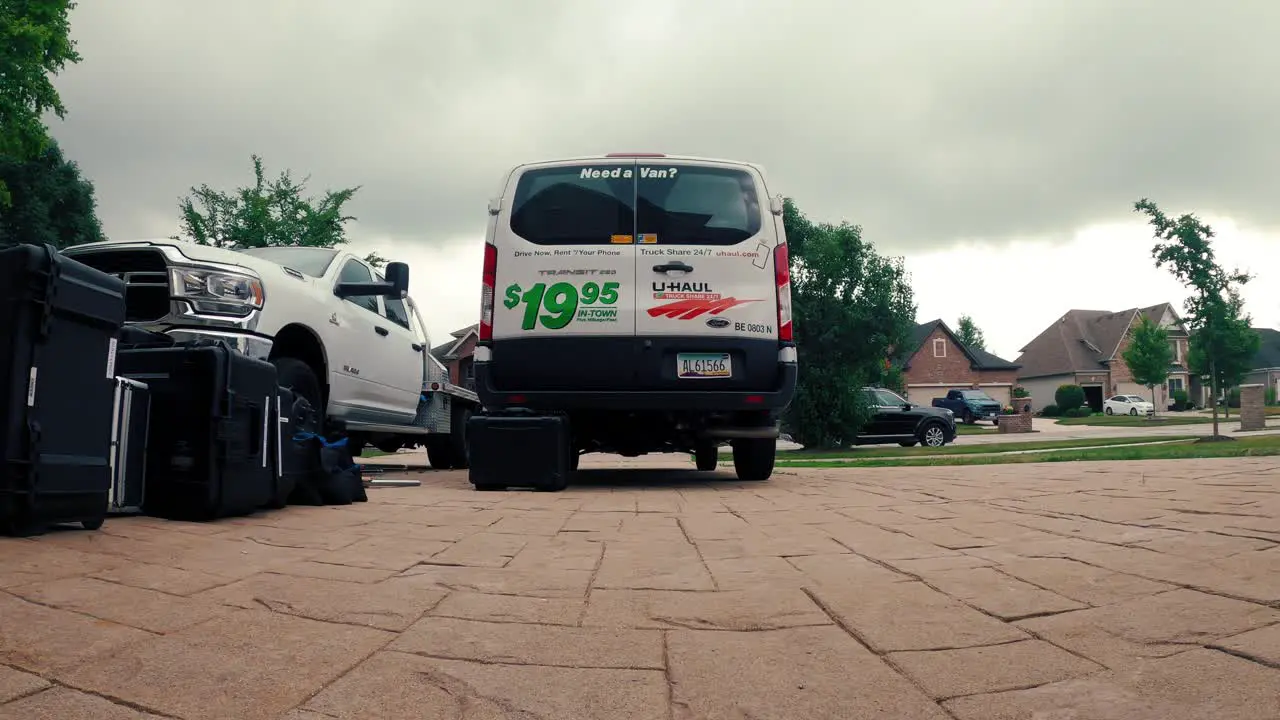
(445, 351)
(1268, 355)
(978, 359)
(1085, 340)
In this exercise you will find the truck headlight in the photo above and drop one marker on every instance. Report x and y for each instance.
(217, 292)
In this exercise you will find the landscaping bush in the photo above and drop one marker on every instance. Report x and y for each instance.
(1069, 397)
(1181, 401)
(1271, 396)
(1233, 397)
(1021, 392)
(1051, 411)
(1079, 412)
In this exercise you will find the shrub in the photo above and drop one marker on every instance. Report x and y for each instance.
(1051, 411)
(1021, 392)
(1181, 400)
(1233, 397)
(1008, 410)
(1079, 412)
(1069, 397)
(1271, 396)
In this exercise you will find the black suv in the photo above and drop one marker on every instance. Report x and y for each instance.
(895, 419)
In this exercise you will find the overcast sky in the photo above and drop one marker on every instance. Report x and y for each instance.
(997, 145)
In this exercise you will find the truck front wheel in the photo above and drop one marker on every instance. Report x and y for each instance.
(299, 377)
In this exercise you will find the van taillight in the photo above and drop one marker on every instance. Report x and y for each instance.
(782, 275)
(490, 276)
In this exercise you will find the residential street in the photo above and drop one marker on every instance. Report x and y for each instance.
(1103, 591)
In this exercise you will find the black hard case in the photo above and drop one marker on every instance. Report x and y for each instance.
(519, 450)
(58, 320)
(129, 428)
(293, 414)
(208, 447)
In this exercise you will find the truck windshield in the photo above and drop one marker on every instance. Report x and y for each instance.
(311, 261)
(975, 395)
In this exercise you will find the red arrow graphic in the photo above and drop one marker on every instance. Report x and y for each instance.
(689, 309)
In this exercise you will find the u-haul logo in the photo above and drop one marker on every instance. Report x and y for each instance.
(690, 309)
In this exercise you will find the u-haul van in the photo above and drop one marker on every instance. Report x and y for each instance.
(645, 301)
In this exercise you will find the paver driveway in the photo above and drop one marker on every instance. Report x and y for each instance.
(1090, 591)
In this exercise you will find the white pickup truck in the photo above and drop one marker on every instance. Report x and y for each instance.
(339, 333)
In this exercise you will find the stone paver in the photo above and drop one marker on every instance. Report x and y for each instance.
(1140, 591)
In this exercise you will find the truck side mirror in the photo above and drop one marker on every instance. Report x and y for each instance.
(395, 286)
(398, 277)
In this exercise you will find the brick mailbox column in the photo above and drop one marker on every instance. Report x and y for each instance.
(1020, 423)
(1253, 415)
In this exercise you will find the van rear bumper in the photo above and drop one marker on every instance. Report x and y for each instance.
(774, 399)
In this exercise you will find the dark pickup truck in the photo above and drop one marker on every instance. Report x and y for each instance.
(970, 406)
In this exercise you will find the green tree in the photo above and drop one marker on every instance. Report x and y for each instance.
(970, 334)
(852, 307)
(1215, 313)
(34, 44)
(269, 213)
(1225, 353)
(1149, 355)
(52, 203)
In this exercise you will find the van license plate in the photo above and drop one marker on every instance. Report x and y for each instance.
(703, 365)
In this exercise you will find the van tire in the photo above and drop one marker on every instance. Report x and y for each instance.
(753, 458)
(706, 457)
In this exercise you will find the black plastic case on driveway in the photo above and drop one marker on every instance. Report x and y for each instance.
(519, 451)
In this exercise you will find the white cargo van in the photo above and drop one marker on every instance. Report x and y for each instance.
(646, 299)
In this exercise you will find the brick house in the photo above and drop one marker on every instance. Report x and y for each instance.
(935, 361)
(456, 355)
(1086, 347)
(1266, 363)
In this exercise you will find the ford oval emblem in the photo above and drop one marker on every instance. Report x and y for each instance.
(717, 322)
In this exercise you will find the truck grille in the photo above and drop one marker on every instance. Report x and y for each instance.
(146, 278)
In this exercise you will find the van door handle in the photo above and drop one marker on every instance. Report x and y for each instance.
(677, 265)
(417, 347)
(381, 330)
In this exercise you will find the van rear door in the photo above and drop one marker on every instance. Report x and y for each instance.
(565, 285)
(706, 295)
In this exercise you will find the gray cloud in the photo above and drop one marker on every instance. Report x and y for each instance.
(926, 122)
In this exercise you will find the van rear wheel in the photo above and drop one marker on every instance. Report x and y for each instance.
(753, 458)
(706, 457)
(440, 453)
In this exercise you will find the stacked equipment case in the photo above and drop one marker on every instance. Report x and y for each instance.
(209, 450)
(58, 322)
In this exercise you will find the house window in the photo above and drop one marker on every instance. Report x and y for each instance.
(1177, 351)
(939, 347)
(1176, 385)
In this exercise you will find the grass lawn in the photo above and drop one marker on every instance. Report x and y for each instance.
(805, 456)
(985, 428)
(1140, 421)
(1246, 447)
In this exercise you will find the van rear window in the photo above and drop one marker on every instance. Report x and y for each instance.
(696, 205)
(575, 205)
(600, 204)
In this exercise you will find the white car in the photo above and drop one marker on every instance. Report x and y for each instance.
(1128, 405)
(644, 298)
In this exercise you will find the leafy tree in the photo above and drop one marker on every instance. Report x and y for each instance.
(1148, 355)
(970, 334)
(1224, 354)
(34, 44)
(269, 213)
(852, 307)
(52, 203)
(1214, 310)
